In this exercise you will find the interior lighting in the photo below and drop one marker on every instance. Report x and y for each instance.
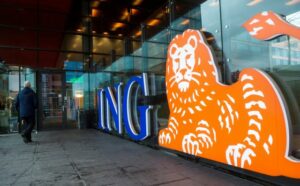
(100, 43)
(254, 2)
(78, 38)
(95, 4)
(292, 2)
(137, 2)
(117, 25)
(134, 11)
(95, 12)
(185, 22)
(160, 14)
(78, 93)
(214, 3)
(210, 38)
(125, 14)
(138, 33)
(153, 22)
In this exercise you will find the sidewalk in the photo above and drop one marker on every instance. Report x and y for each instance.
(89, 157)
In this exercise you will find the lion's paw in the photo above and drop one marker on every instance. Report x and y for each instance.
(191, 144)
(164, 137)
(240, 155)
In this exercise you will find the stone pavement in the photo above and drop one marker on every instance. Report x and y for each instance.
(89, 157)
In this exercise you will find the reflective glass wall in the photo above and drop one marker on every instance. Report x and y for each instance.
(279, 57)
(12, 81)
(221, 22)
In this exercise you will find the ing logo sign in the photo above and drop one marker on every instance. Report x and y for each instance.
(245, 124)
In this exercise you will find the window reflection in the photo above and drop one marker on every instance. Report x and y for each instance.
(280, 57)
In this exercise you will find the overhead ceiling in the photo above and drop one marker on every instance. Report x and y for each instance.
(32, 31)
(29, 26)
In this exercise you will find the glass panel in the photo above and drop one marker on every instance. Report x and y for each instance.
(136, 45)
(75, 95)
(279, 56)
(156, 50)
(77, 90)
(14, 85)
(28, 74)
(51, 100)
(72, 61)
(100, 62)
(163, 36)
(105, 45)
(68, 61)
(4, 103)
(72, 42)
(185, 22)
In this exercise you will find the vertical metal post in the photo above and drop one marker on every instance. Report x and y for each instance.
(171, 9)
(87, 43)
(144, 48)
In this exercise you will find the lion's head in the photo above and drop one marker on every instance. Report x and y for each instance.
(190, 63)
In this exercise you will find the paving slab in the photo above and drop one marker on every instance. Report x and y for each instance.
(89, 157)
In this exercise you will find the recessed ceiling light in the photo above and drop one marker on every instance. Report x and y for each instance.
(254, 2)
(153, 22)
(95, 12)
(117, 25)
(138, 33)
(137, 2)
(95, 4)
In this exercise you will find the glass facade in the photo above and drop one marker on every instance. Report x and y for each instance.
(235, 50)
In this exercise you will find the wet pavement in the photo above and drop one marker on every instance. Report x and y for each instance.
(89, 157)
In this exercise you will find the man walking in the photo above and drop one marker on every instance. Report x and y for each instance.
(26, 104)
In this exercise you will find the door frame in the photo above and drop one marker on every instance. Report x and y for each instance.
(39, 73)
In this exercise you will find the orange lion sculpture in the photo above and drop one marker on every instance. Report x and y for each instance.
(245, 124)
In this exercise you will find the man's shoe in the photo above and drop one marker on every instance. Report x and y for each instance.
(25, 140)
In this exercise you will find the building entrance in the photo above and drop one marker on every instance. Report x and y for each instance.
(56, 105)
